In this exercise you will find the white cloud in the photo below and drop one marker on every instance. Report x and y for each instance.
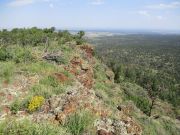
(143, 12)
(171, 5)
(97, 2)
(150, 16)
(17, 3)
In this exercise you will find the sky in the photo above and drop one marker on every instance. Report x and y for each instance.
(91, 14)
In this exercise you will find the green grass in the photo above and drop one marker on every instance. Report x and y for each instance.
(17, 54)
(78, 122)
(47, 87)
(99, 72)
(100, 85)
(161, 126)
(169, 126)
(106, 91)
(5, 54)
(41, 67)
(137, 95)
(22, 55)
(15, 106)
(26, 127)
(7, 71)
(40, 90)
(20, 104)
(49, 81)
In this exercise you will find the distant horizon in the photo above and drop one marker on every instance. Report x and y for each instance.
(111, 30)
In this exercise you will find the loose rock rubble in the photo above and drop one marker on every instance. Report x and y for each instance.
(58, 108)
(107, 126)
(17, 90)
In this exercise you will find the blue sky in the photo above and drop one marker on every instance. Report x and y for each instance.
(91, 14)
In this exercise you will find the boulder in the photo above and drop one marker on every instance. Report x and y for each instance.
(56, 57)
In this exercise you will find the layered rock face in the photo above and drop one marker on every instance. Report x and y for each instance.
(81, 96)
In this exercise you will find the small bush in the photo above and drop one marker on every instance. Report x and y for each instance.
(79, 41)
(17, 54)
(50, 81)
(35, 103)
(15, 106)
(22, 55)
(4, 54)
(138, 96)
(142, 103)
(78, 122)
(25, 102)
(6, 70)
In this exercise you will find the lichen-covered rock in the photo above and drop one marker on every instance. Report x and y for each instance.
(56, 57)
(106, 126)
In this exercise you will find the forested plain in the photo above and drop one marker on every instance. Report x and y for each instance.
(151, 61)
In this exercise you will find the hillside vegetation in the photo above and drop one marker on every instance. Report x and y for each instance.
(149, 62)
(52, 84)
